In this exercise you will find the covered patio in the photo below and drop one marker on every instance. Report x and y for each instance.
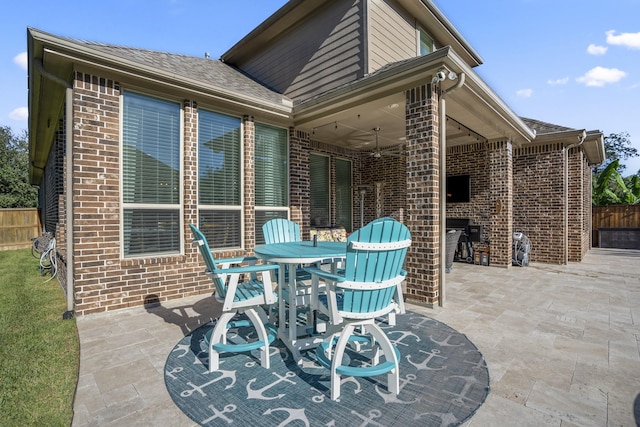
(560, 342)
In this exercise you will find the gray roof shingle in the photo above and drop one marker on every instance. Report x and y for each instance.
(541, 127)
(211, 72)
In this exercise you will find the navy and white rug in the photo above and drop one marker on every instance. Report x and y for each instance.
(443, 381)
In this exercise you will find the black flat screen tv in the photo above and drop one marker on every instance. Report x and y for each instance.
(459, 189)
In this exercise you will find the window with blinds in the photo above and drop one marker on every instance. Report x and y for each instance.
(344, 201)
(320, 190)
(271, 175)
(220, 179)
(151, 176)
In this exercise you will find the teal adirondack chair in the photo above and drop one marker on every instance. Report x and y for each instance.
(282, 230)
(365, 290)
(237, 296)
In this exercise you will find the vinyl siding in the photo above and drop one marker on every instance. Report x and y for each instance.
(316, 55)
(392, 34)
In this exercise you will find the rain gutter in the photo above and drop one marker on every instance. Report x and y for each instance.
(68, 137)
(443, 186)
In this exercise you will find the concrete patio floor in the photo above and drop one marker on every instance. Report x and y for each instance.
(562, 344)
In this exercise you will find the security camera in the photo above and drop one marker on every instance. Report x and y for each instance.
(441, 75)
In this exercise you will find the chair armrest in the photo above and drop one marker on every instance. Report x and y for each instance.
(248, 259)
(249, 269)
(324, 274)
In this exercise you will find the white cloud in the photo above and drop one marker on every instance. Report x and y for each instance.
(630, 40)
(562, 81)
(21, 113)
(600, 76)
(524, 93)
(596, 50)
(21, 60)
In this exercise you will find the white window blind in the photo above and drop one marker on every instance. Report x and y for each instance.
(319, 190)
(151, 175)
(220, 179)
(272, 175)
(344, 204)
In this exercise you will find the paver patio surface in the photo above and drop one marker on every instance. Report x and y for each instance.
(562, 343)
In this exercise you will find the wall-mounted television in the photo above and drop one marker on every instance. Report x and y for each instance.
(459, 189)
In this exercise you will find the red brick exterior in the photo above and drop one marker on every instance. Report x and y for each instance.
(489, 165)
(423, 195)
(408, 189)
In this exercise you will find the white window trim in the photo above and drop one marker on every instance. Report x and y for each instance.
(179, 206)
(242, 206)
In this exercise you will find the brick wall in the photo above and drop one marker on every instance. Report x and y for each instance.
(579, 211)
(539, 200)
(423, 195)
(391, 174)
(299, 178)
(104, 281)
(472, 160)
(489, 165)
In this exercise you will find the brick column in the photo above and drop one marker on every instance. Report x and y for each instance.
(249, 181)
(577, 230)
(299, 186)
(500, 164)
(423, 195)
(190, 176)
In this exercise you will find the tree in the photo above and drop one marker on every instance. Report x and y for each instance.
(617, 146)
(609, 188)
(15, 191)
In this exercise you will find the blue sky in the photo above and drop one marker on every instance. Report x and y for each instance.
(574, 63)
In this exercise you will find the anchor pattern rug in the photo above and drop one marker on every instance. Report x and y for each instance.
(443, 380)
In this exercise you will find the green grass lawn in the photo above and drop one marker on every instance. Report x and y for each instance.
(39, 351)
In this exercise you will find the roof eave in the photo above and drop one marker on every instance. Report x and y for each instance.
(405, 76)
(87, 55)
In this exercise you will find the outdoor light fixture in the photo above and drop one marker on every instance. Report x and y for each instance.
(442, 75)
(439, 77)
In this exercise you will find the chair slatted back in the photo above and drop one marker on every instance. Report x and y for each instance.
(373, 266)
(281, 230)
(212, 267)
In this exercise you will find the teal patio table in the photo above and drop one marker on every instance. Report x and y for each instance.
(289, 255)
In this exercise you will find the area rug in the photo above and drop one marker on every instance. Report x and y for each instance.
(443, 381)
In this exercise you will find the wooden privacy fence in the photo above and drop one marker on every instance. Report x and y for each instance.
(621, 219)
(18, 227)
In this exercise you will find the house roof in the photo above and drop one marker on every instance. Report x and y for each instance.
(541, 127)
(212, 71)
(592, 142)
(52, 60)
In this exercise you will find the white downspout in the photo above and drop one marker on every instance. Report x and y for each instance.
(68, 137)
(566, 149)
(443, 186)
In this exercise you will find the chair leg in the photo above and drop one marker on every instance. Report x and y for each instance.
(393, 377)
(258, 319)
(336, 360)
(219, 334)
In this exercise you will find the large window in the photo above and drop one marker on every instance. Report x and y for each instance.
(320, 190)
(151, 176)
(271, 175)
(426, 43)
(220, 179)
(344, 202)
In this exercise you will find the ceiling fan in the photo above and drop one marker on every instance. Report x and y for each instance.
(389, 152)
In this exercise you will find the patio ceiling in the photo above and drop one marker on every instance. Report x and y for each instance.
(348, 116)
